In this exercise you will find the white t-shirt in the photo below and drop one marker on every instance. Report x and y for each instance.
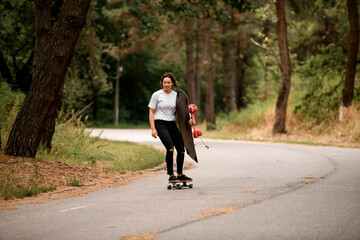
(164, 105)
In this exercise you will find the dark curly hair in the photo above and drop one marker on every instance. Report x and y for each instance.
(171, 76)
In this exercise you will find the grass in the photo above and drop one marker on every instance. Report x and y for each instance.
(73, 145)
(74, 182)
(11, 185)
(131, 156)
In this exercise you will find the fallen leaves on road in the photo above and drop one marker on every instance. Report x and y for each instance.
(307, 182)
(312, 178)
(249, 191)
(217, 211)
(145, 236)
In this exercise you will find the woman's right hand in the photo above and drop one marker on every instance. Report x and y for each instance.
(154, 133)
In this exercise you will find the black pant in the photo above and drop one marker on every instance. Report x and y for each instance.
(170, 136)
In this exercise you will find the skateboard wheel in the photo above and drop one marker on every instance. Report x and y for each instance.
(169, 187)
(178, 186)
(190, 186)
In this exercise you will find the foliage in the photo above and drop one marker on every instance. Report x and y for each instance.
(10, 102)
(147, 38)
(16, 40)
(266, 81)
(318, 36)
(322, 77)
(144, 11)
(86, 79)
(140, 78)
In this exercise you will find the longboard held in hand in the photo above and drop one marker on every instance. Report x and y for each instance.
(183, 118)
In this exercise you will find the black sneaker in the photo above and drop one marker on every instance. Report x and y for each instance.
(173, 179)
(184, 178)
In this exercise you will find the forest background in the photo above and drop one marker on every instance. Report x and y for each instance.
(126, 46)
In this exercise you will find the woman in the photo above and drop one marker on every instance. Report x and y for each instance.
(162, 108)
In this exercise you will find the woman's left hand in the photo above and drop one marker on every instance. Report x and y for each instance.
(154, 133)
(190, 122)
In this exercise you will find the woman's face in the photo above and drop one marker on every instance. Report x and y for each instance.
(167, 84)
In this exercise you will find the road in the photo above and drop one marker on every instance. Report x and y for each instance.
(242, 190)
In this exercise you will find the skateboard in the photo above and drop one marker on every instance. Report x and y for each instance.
(177, 185)
(183, 117)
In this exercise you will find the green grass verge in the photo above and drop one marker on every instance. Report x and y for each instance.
(73, 145)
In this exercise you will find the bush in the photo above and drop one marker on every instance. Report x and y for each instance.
(10, 102)
(319, 82)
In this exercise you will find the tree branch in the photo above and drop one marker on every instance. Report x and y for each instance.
(257, 44)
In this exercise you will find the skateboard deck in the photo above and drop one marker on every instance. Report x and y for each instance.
(178, 185)
(183, 117)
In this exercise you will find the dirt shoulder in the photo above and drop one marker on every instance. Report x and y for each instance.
(22, 170)
(61, 176)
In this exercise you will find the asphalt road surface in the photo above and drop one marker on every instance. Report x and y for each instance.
(242, 190)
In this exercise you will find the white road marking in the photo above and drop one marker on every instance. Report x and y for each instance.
(71, 209)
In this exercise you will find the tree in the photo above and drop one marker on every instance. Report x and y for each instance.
(353, 16)
(192, 35)
(190, 12)
(45, 93)
(43, 37)
(285, 67)
(228, 64)
(209, 86)
(190, 74)
(117, 87)
(0, 79)
(240, 59)
(198, 58)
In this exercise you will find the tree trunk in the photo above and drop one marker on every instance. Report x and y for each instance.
(42, 32)
(42, 41)
(190, 76)
(266, 77)
(0, 122)
(197, 75)
(282, 100)
(45, 93)
(117, 92)
(94, 98)
(1, 68)
(239, 75)
(209, 88)
(228, 69)
(348, 92)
